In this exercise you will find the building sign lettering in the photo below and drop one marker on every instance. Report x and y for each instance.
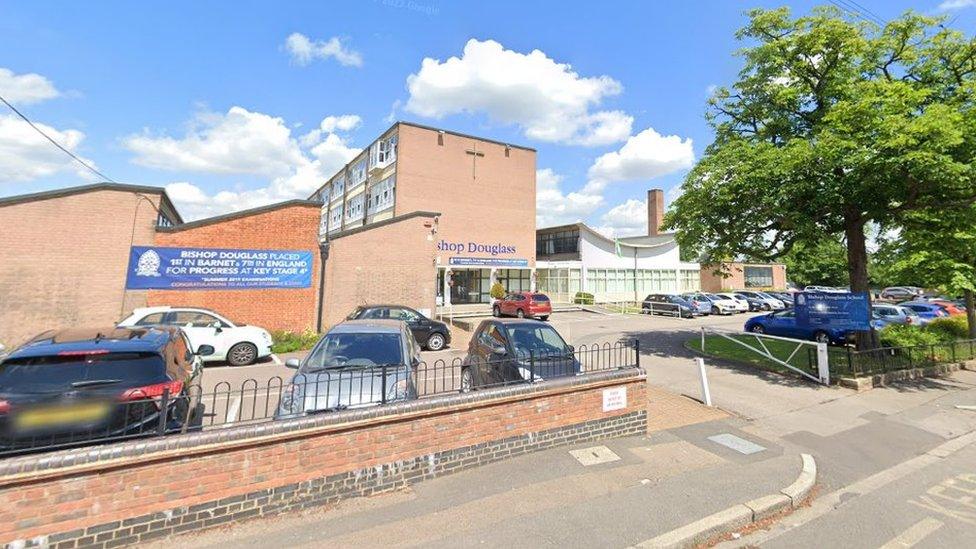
(152, 267)
(475, 248)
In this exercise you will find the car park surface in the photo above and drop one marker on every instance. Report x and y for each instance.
(433, 335)
(238, 344)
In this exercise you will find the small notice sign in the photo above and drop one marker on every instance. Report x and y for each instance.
(614, 399)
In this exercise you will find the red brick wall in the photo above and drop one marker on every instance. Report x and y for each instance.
(711, 282)
(63, 261)
(72, 498)
(288, 228)
(387, 264)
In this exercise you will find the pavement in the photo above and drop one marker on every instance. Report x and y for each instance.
(895, 465)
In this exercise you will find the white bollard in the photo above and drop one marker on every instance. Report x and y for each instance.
(703, 339)
(706, 395)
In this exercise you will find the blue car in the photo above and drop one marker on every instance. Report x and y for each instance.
(883, 315)
(700, 304)
(926, 311)
(783, 324)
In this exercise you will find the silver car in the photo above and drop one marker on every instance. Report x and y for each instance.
(357, 363)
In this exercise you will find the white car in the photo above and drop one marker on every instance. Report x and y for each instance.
(769, 302)
(238, 344)
(722, 305)
(741, 305)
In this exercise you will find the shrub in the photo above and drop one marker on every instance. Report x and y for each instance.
(284, 341)
(950, 328)
(898, 335)
(497, 290)
(583, 298)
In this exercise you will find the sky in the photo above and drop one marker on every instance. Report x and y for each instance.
(232, 105)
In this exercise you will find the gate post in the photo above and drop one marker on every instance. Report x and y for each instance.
(823, 363)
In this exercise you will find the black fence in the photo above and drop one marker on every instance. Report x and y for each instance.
(177, 409)
(886, 359)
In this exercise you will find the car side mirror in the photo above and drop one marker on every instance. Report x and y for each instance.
(498, 350)
(205, 350)
(293, 363)
(572, 349)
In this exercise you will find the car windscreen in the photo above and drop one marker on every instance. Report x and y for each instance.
(540, 297)
(355, 313)
(356, 349)
(50, 373)
(536, 339)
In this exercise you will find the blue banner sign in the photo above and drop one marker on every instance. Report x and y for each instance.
(841, 311)
(489, 262)
(152, 267)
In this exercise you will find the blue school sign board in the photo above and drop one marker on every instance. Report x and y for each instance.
(153, 267)
(839, 311)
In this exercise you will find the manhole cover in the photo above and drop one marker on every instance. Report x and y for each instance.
(738, 444)
(594, 456)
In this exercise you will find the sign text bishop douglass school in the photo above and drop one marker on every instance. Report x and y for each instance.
(152, 267)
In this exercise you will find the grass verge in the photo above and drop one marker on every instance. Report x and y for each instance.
(717, 346)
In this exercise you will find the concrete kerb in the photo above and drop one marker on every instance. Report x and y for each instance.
(742, 515)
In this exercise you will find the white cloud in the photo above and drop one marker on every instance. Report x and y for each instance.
(25, 89)
(555, 208)
(627, 219)
(244, 142)
(25, 154)
(304, 50)
(239, 142)
(644, 156)
(548, 100)
(956, 4)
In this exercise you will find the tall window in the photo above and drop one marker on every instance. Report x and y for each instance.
(561, 242)
(381, 195)
(383, 152)
(338, 186)
(335, 217)
(163, 221)
(357, 173)
(354, 208)
(323, 194)
(324, 222)
(758, 276)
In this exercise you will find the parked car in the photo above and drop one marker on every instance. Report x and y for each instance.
(523, 304)
(357, 363)
(884, 314)
(699, 303)
(755, 303)
(786, 297)
(741, 304)
(721, 305)
(768, 302)
(73, 386)
(926, 311)
(900, 293)
(238, 344)
(504, 351)
(667, 304)
(433, 335)
(783, 324)
(951, 307)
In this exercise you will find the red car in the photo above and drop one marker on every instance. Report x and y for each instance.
(523, 304)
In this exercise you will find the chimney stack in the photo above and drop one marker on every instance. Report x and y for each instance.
(655, 211)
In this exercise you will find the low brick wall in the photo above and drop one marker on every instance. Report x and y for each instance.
(122, 494)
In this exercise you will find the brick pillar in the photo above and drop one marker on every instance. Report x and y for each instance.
(655, 211)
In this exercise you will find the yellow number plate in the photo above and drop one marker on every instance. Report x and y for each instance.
(62, 415)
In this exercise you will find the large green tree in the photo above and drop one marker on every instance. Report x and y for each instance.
(823, 263)
(833, 125)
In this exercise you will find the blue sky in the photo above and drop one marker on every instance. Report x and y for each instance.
(214, 100)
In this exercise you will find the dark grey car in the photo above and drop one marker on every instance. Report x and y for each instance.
(357, 363)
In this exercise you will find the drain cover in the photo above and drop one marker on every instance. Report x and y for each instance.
(594, 456)
(738, 444)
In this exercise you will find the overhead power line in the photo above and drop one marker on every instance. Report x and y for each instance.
(851, 7)
(56, 144)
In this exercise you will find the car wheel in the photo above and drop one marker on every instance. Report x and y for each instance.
(467, 380)
(821, 337)
(495, 311)
(715, 311)
(544, 318)
(766, 306)
(520, 313)
(435, 342)
(242, 354)
(758, 329)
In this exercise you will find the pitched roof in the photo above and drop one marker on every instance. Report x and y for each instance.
(94, 187)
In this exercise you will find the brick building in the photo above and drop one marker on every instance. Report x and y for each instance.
(739, 276)
(64, 254)
(410, 220)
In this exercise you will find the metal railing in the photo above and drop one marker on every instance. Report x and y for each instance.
(886, 359)
(72, 422)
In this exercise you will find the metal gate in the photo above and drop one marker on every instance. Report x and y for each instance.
(816, 352)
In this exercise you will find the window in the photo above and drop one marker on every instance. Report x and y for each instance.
(560, 284)
(561, 242)
(323, 194)
(758, 277)
(404, 315)
(163, 221)
(690, 280)
(383, 152)
(357, 173)
(324, 222)
(354, 208)
(148, 320)
(195, 319)
(335, 217)
(338, 186)
(381, 195)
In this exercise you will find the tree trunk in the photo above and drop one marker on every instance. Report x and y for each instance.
(857, 267)
(970, 312)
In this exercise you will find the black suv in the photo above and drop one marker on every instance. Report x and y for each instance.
(666, 304)
(430, 334)
(515, 350)
(80, 385)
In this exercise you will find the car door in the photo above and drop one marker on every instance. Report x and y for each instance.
(419, 326)
(204, 329)
(498, 354)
